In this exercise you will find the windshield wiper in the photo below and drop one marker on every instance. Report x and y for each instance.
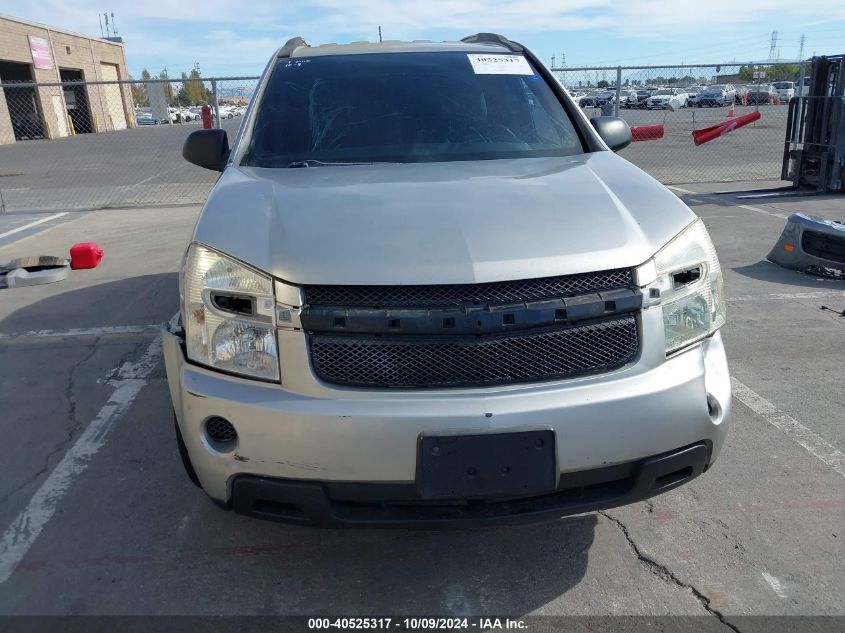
(311, 162)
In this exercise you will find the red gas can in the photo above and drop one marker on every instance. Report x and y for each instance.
(85, 255)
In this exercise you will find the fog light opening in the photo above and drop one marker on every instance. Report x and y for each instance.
(220, 434)
(714, 409)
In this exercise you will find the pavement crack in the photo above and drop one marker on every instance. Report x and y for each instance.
(666, 574)
(73, 427)
(69, 396)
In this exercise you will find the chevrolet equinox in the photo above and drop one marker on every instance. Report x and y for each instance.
(425, 291)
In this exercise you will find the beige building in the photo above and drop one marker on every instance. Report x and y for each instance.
(31, 52)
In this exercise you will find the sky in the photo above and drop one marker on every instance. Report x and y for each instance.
(231, 38)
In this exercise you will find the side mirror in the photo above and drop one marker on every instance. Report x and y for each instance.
(613, 130)
(207, 148)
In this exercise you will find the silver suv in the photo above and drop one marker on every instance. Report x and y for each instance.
(426, 291)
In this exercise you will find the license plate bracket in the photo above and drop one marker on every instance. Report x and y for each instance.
(485, 466)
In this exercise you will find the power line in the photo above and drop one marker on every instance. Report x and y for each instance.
(773, 48)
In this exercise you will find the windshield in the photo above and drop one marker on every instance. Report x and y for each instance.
(664, 92)
(783, 84)
(407, 107)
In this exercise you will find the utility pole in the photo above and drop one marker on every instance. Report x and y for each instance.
(774, 46)
(553, 61)
(379, 33)
(801, 48)
(563, 60)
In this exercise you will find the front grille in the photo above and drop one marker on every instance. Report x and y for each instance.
(434, 296)
(463, 361)
(825, 246)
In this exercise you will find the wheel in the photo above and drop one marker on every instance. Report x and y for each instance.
(183, 454)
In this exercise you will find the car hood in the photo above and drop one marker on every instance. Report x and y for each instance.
(430, 223)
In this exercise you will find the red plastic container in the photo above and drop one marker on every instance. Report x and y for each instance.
(85, 255)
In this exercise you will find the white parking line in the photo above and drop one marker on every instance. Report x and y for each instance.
(775, 584)
(76, 332)
(763, 211)
(27, 526)
(790, 296)
(681, 190)
(32, 224)
(792, 428)
(747, 207)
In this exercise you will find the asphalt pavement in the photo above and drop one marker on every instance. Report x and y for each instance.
(144, 167)
(97, 516)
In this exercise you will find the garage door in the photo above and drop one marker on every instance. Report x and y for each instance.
(114, 97)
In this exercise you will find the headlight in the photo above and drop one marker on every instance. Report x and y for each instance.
(228, 315)
(689, 279)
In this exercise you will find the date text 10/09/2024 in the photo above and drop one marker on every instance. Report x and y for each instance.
(416, 624)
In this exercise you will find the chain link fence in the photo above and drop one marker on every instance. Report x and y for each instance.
(80, 145)
(701, 96)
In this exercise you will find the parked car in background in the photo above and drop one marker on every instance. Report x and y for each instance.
(717, 95)
(693, 92)
(589, 100)
(785, 89)
(604, 96)
(661, 98)
(577, 96)
(642, 96)
(628, 98)
(762, 93)
(145, 118)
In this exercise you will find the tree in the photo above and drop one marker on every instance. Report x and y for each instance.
(783, 72)
(168, 88)
(775, 72)
(139, 91)
(194, 88)
(603, 83)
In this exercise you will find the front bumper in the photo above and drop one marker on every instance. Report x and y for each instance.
(332, 504)
(319, 435)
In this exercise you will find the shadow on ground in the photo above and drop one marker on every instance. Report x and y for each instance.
(132, 519)
(767, 271)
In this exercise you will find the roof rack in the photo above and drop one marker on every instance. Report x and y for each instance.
(493, 38)
(292, 44)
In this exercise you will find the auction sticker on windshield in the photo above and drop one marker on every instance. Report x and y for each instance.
(499, 64)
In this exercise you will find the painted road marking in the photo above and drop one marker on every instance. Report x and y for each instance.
(797, 432)
(128, 381)
(763, 211)
(775, 584)
(747, 207)
(32, 224)
(790, 296)
(76, 332)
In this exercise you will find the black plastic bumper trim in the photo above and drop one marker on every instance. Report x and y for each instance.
(369, 505)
